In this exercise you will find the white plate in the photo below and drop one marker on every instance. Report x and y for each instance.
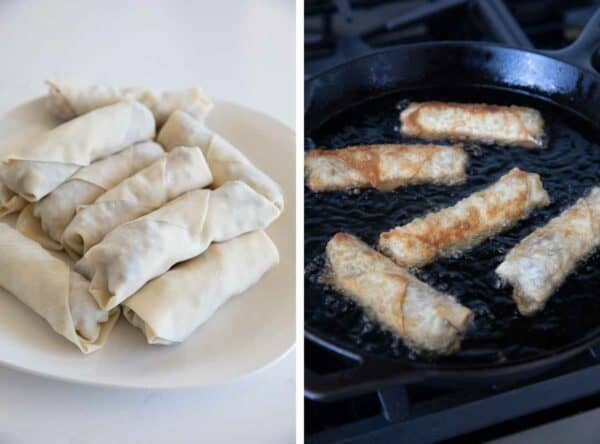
(251, 331)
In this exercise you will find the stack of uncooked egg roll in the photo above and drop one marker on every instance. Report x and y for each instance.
(139, 221)
(51, 215)
(181, 170)
(36, 169)
(138, 251)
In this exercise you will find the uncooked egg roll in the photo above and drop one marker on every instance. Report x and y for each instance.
(68, 100)
(181, 170)
(143, 249)
(49, 287)
(169, 308)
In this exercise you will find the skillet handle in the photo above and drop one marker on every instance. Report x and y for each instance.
(366, 377)
(581, 51)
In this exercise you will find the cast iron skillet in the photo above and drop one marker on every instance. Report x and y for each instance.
(358, 102)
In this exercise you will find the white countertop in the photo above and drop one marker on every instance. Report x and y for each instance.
(242, 51)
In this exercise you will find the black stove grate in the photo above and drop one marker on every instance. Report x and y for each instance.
(421, 414)
(338, 30)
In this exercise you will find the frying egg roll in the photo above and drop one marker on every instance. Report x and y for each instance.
(55, 292)
(424, 318)
(384, 167)
(181, 170)
(540, 263)
(224, 160)
(143, 249)
(53, 213)
(477, 122)
(69, 100)
(169, 308)
(37, 169)
(468, 223)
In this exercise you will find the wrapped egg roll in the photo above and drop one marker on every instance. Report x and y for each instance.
(10, 202)
(540, 263)
(38, 168)
(424, 318)
(477, 122)
(143, 249)
(384, 167)
(224, 160)
(169, 308)
(53, 213)
(69, 100)
(468, 223)
(181, 170)
(55, 292)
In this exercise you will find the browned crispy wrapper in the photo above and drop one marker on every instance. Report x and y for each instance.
(540, 263)
(468, 223)
(426, 319)
(384, 167)
(475, 122)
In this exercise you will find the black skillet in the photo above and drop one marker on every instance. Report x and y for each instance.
(357, 103)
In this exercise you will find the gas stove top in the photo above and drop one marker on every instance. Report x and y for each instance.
(339, 30)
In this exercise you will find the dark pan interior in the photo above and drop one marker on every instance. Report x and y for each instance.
(569, 167)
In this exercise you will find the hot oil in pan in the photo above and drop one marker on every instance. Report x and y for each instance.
(569, 167)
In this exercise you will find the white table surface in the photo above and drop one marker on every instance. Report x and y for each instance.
(243, 51)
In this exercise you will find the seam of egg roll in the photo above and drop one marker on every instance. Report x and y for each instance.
(528, 138)
(31, 226)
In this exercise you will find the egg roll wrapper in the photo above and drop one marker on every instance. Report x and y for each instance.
(474, 122)
(468, 223)
(67, 100)
(181, 170)
(538, 265)
(35, 169)
(426, 319)
(226, 162)
(53, 290)
(143, 249)
(384, 167)
(169, 308)
(54, 212)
